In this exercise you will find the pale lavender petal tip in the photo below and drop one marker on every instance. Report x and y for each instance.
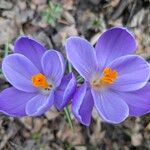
(82, 56)
(65, 91)
(138, 101)
(39, 104)
(110, 106)
(53, 66)
(19, 70)
(82, 105)
(113, 43)
(133, 73)
(31, 49)
(13, 102)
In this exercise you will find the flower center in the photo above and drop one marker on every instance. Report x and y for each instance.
(108, 78)
(40, 81)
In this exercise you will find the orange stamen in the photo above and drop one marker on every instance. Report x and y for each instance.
(40, 81)
(108, 78)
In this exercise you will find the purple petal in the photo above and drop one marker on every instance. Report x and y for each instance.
(138, 101)
(133, 73)
(82, 105)
(30, 48)
(110, 106)
(53, 66)
(82, 56)
(114, 43)
(39, 104)
(13, 102)
(19, 70)
(65, 91)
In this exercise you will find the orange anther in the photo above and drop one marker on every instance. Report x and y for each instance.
(109, 76)
(40, 81)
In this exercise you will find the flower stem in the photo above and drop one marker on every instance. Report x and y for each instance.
(6, 49)
(66, 110)
(69, 68)
(67, 113)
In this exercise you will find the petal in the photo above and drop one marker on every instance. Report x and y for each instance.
(13, 102)
(53, 66)
(65, 91)
(110, 106)
(30, 48)
(19, 70)
(82, 56)
(114, 43)
(82, 105)
(133, 73)
(39, 104)
(138, 101)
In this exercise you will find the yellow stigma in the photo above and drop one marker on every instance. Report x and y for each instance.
(40, 81)
(109, 76)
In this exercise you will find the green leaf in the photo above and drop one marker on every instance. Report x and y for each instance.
(52, 13)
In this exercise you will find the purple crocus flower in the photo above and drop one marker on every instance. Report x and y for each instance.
(37, 79)
(115, 79)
